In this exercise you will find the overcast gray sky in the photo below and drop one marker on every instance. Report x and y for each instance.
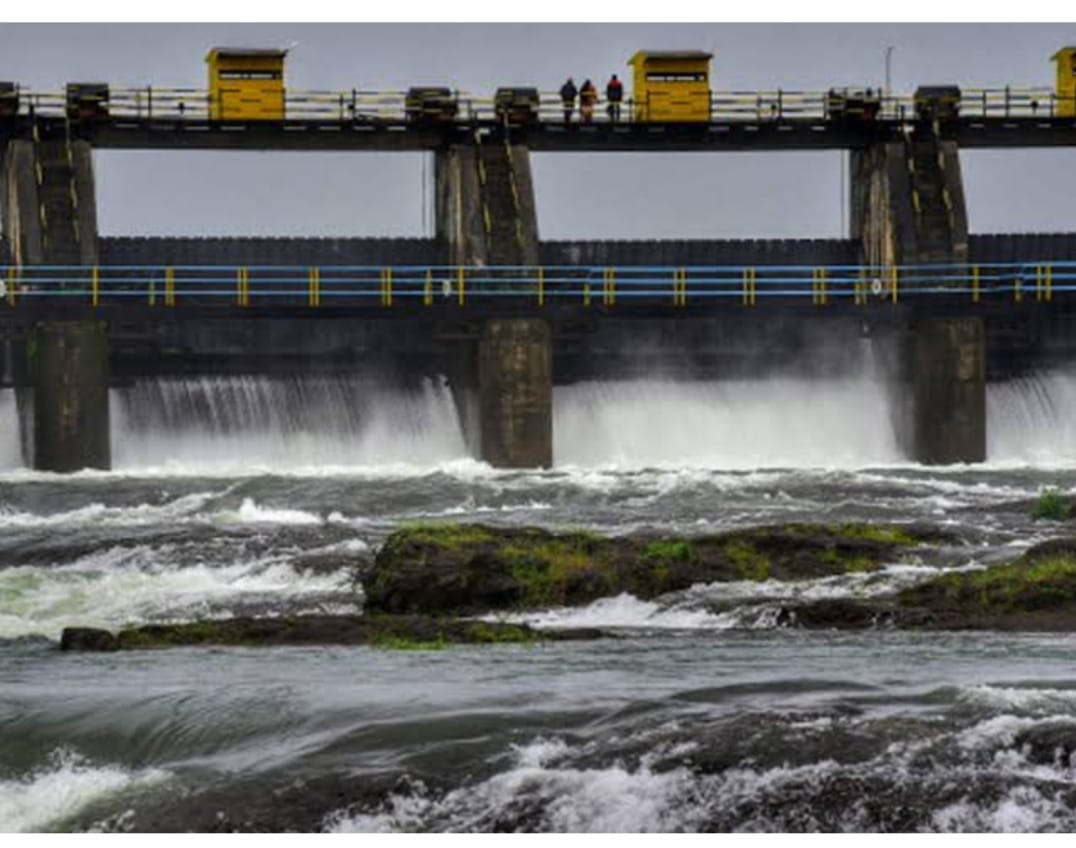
(579, 195)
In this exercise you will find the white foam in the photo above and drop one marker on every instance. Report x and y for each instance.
(739, 604)
(603, 800)
(1023, 809)
(180, 510)
(121, 586)
(65, 786)
(1033, 701)
(624, 610)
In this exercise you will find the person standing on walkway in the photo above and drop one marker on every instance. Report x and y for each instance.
(588, 97)
(614, 94)
(567, 97)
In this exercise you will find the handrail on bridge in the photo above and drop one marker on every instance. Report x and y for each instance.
(359, 285)
(390, 106)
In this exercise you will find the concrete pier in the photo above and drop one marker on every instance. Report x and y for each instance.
(948, 375)
(484, 207)
(515, 393)
(907, 202)
(69, 360)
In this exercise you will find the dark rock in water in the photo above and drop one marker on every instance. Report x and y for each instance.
(835, 613)
(87, 639)
(405, 632)
(467, 568)
(1050, 744)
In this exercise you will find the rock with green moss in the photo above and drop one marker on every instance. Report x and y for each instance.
(469, 568)
(399, 632)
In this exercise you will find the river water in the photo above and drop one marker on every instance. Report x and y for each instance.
(241, 496)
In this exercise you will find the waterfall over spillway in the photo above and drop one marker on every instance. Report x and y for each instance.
(283, 423)
(10, 455)
(1033, 419)
(725, 424)
(238, 422)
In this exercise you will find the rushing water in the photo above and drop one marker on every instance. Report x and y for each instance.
(246, 496)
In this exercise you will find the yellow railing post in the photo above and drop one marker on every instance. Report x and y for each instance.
(96, 285)
(754, 286)
(169, 286)
(541, 286)
(974, 283)
(11, 285)
(744, 297)
(612, 286)
(309, 286)
(586, 293)
(1017, 289)
(1038, 282)
(152, 293)
(894, 282)
(462, 280)
(388, 287)
(427, 292)
(240, 286)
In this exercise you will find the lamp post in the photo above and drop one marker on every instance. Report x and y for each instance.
(888, 58)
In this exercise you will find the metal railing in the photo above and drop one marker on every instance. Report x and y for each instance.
(587, 285)
(364, 106)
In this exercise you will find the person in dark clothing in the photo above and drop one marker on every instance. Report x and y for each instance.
(614, 93)
(567, 97)
(588, 97)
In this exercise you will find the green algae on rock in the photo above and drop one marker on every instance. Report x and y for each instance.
(401, 632)
(468, 568)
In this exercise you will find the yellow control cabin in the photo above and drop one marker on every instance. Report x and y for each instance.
(671, 85)
(246, 84)
(1066, 82)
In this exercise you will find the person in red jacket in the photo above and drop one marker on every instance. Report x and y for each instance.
(614, 93)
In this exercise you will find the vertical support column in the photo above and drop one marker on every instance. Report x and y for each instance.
(458, 206)
(948, 375)
(515, 393)
(485, 209)
(880, 204)
(61, 374)
(907, 202)
(69, 361)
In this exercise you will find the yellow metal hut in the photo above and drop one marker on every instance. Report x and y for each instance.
(246, 84)
(671, 85)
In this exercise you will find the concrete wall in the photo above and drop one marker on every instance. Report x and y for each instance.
(458, 207)
(515, 393)
(69, 361)
(896, 197)
(149, 250)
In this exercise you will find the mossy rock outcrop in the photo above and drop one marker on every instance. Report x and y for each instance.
(403, 632)
(470, 568)
(1035, 592)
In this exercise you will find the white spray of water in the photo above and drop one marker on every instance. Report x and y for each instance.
(257, 421)
(733, 424)
(63, 787)
(10, 455)
(1032, 420)
(239, 423)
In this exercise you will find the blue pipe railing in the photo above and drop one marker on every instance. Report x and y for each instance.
(244, 285)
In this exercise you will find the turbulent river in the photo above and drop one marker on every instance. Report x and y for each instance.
(236, 496)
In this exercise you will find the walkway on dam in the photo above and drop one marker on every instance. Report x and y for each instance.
(353, 288)
(775, 119)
